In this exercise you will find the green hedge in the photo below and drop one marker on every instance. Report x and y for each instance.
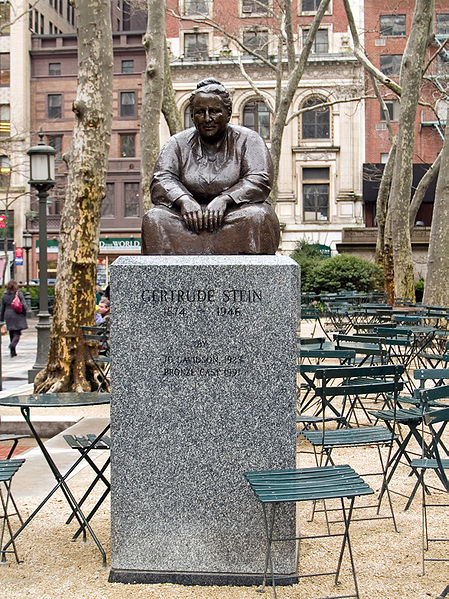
(344, 272)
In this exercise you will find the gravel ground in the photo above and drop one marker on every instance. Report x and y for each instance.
(388, 563)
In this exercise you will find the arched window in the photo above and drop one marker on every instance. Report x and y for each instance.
(188, 121)
(315, 123)
(257, 117)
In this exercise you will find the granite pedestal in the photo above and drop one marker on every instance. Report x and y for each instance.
(203, 389)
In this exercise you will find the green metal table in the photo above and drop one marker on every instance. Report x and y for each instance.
(56, 400)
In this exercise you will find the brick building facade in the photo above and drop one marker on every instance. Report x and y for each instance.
(322, 192)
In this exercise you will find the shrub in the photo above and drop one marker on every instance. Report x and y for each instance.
(419, 290)
(344, 272)
(307, 255)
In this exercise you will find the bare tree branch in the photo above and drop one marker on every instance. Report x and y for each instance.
(231, 36)
(326, 104)
(361, 56)
(256, 90)
(19, 16)
(383, 106)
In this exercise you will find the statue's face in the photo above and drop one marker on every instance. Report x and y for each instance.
(210, 116)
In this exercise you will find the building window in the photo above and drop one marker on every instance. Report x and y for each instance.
(4, 69)
(320, 44)
(315, 123)
(393, 111)
(315, 191)
(127, 145)
(4, 18)
(257, 117)
(442, 24)
(196, 7)
(54, 106)
(188, 120)
(108, 203)
(132, 199)
(257, 41)
(391, 25)
(390, 64)
(196, 45)
(5, 124)
(54, 69)
(254, 7)
(61, 11)
(127, 66)
(55, 141)
(126, 12)
(5, 171)
(30, 17)
(42, 30)
(310, 5)
(127, 104)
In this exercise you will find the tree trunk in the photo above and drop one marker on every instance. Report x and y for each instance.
(382, 206)
(436, 288)
(287, 96)
(169, 108)
(420, 191)
(68, 367)
(388, 261)
(410, 80)
(154, 42)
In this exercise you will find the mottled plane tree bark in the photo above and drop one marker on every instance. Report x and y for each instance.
(436, 287)
(68, 367)
(169, 108)
(412, 70)
(396, 249)
(153, 92)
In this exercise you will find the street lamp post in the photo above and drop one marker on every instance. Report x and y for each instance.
(27, 243)
(42, 177)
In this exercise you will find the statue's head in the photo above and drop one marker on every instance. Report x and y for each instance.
(211, 108)
(212, 86)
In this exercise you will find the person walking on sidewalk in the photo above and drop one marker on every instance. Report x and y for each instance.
(16, 322)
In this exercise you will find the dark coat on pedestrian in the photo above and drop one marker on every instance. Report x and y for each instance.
(14, 320)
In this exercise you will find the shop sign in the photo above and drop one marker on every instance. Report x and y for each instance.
(52, 246)
(324, 249)
(120, 244)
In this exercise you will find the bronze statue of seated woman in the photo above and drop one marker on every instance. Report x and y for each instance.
(210, 186)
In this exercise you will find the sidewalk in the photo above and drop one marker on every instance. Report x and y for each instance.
(15, 370)
(35, 479)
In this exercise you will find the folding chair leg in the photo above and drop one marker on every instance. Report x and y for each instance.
(6, 525)
(82, 528)
(346, 540)
(384, 486)
(444, 594)
(269, 525)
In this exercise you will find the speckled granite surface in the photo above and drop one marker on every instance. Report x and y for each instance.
(203, 389)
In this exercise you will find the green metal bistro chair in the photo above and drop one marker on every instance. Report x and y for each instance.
(9, 509)
(274, 487)
(84, 444)
(97, 343)
(431, 460)
(410, 420)
(309, 405)
(351, 384)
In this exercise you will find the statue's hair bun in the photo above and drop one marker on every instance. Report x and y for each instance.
(208, 81)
